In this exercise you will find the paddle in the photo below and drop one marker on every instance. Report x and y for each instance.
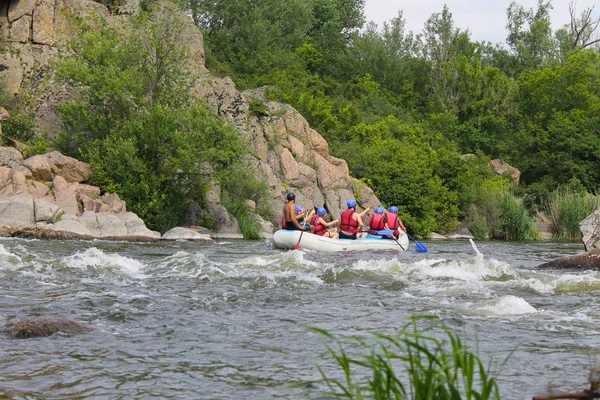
(301, 232)
(421, 248)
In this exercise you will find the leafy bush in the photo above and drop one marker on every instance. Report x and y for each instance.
(477, 223)
(432, 368)
(237, 187)
(19, 127)
(566, 209)
(258, 108)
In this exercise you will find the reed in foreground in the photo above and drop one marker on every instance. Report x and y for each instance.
(411, 365)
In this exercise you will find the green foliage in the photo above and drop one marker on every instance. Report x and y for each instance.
(400, 107)
(431, 368)
(237, 186)
(258, 108)
(6, 99)
(515, 222)
(19, 127)
(487, 206)
(144, 137)
(566, 209)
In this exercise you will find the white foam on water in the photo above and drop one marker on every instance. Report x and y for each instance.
(105, 263)
(505, 305)
(273, 268)
(9, 260)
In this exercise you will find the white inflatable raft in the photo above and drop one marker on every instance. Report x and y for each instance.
(285, 239)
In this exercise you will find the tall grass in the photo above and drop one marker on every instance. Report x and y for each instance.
(515, 221)
(411, 365)
(566, 209)
(483, 215)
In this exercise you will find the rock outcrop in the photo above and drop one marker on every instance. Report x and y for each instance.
(43, 326)
(584, 261)
(501, 168)
(590, 229)
(284, 150)
(44, 196)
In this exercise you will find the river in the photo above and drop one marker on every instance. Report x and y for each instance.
(227, 319)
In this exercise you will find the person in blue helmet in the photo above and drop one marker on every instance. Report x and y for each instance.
(319, 226)
(301, 216)
(290, 216)
(351, 222)
(377, 221)
(393, 221)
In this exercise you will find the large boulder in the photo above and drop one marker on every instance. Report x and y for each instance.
(224, 225)
(43, 326)
(501, 168)
(590, 228)
(584, 261)
(71, 169)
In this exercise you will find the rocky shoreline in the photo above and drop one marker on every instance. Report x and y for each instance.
(46, 196)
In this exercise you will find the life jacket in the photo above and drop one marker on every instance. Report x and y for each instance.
(320, 229)
(347, 222)
(283, 223)
(392, 220)
(377, 223)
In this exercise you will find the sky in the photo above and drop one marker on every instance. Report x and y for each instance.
(485, 19)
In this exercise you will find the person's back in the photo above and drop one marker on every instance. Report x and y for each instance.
(377, 221)
(393, 221)
(351, 222)
(289, 215)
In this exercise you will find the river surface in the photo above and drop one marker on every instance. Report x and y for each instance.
(228, 320)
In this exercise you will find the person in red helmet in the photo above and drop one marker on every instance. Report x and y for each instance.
(351, 222)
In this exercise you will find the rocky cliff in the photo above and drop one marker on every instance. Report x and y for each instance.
(283, 148)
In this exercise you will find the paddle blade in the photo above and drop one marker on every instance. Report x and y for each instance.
(421, 248)
(298, 244)
(385, 232)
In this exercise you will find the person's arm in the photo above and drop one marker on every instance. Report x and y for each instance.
(305, 225)
(362, 214)
(358, 218)
(328, 224)
(385, 224)
(401, 225)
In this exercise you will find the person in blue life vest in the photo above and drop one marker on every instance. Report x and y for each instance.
(393, 221)
(289, 215)
(319, 226)
(351, 222)
(377, 221)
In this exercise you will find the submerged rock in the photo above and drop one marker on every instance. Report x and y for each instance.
(181, 233)
(43, 326)
(584, 261)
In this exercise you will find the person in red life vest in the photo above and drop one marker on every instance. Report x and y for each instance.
(289, 215)
(377, 221)
(351, 222)
(318, 225)
(393, 221)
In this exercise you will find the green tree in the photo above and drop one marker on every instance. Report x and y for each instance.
(144, 136)
(530, 35)
(559, 113)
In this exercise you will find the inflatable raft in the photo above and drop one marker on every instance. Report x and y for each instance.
(287, 239)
